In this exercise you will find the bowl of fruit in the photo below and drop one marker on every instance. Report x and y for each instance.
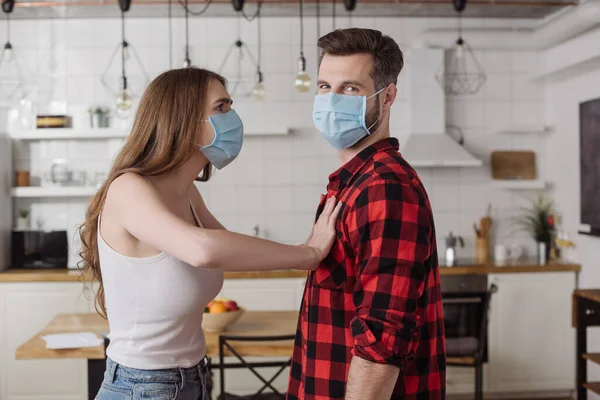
(219, 314)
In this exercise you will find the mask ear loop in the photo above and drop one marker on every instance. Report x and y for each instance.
(213, 141)
(380, 112)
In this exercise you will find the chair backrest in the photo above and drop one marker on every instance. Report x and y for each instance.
(485, 320)
(226, 342)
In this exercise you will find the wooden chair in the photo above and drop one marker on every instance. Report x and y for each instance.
(226, 348)
(472, 351)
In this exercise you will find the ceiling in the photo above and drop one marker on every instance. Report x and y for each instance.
(529, 9)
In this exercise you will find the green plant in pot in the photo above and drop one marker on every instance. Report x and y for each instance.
(23, 219)
(538, 221)
(99, 117)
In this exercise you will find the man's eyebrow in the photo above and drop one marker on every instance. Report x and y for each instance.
(353, 83)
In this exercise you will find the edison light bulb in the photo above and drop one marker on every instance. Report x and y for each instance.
(8, 53)
(258, 91)
(302, 82)
(186, 63)
(124, 104)
(459, 48)
(126, 53)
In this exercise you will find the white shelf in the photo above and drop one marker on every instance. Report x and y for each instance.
(268, 133)
(525, 129)
(67, 133)
(517, 184)
(58, 191)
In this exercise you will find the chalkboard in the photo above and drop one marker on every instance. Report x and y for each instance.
(589, 139)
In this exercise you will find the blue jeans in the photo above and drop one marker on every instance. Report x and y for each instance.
(123, 383)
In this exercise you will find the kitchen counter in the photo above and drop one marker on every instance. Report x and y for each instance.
(461, 268)
(73, 275)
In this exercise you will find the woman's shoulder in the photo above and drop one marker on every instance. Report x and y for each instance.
(128, 187)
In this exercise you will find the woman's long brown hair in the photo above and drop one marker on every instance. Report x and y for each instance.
(162, 139)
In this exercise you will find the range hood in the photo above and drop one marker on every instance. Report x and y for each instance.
(428, 144)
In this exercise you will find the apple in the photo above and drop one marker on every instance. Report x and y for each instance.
(231, 305)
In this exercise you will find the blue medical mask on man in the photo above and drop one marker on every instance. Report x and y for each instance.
(342, 118)
(227, 143)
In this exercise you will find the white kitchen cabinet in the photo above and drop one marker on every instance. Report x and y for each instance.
(25, 308)
(532, 344)
(283, 294)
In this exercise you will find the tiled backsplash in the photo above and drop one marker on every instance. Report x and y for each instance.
(277, 180)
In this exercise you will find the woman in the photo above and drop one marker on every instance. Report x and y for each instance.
(155, 249)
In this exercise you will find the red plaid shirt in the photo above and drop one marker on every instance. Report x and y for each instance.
(377, 294)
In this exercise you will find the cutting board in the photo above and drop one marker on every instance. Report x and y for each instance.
(513, 165)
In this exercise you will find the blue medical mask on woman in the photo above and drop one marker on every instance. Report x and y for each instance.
(341, 118)
(229, 136)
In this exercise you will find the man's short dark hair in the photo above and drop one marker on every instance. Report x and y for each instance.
(387, 56)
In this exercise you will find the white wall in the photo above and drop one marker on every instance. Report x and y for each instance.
(277, 180)
(562, 109)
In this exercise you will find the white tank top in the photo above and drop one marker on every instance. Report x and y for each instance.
(154, 308)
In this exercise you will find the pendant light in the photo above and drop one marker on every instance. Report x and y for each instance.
(186, 58)
(462, 74)
(15, 81)
(124, 95)
(302, 82)
(239, 83)
(258, 91)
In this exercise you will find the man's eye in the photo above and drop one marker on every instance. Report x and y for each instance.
(323, 87)
(351, 89)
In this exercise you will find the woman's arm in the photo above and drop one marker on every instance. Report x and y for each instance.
(141, 212)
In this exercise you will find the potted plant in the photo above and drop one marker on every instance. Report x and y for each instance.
(538, 220)
(99, 117)
(23, 219)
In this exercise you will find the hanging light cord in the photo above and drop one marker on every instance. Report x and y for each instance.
(251, 18)
(7, 28)
(202, 11)
(333, 14)
(187, 32)
(301, 29)
(170, 35)
(123, 50)
(318, 29)
(258, 57)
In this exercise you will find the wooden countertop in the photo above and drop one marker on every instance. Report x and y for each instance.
(465, 268)
(590, 294)
(70, 275)
(252, 323)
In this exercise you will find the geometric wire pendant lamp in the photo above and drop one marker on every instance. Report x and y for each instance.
(241, 85)
(123, 92)
(460, 73)
(14, 76)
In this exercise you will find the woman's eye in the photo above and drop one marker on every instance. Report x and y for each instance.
(220, 107)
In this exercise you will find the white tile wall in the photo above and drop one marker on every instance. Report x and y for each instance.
(276, 182)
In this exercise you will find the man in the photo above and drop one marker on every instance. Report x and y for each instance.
(371, 322)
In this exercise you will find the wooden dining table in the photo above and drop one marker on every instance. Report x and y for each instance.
(251, 324)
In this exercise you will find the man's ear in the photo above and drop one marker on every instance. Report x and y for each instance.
(390, 96)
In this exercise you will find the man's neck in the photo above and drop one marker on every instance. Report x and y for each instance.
(348, 154)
